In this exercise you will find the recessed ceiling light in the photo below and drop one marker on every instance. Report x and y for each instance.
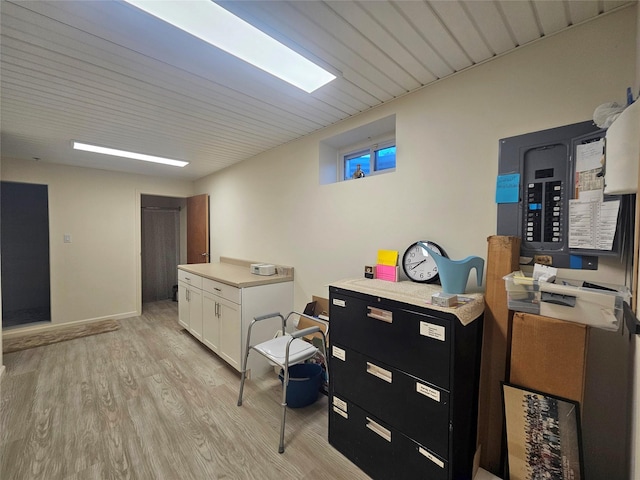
(123, 153)
(210, 22)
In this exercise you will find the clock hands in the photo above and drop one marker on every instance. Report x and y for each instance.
(417, 263)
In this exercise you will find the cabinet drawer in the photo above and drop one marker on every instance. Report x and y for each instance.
(380, 450)
(415, 408)
(190, 279)
(222, 289)
(414, 342)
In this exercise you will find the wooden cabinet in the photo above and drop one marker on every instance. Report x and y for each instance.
(404, 386)
(219, 314)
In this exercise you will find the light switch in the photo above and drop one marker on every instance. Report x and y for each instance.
(67, 238)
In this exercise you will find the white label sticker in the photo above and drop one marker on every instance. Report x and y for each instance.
(434, 459)
(431, 330)
(339, 303)
(339, 353)
(341, 404)
(340, 412)
(432, 393)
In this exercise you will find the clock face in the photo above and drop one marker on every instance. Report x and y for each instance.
(419, 265)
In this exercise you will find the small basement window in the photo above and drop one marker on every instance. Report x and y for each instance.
(369, 161)
(372, 146)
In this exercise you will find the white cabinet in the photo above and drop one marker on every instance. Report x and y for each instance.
(230, 330)
(223, 313)
(210, 321)
(190, 303)
(222, 320)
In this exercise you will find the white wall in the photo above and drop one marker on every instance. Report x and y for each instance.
(97, 275)
(272, 208)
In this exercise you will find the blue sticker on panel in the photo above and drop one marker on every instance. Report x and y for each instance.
(508, 188)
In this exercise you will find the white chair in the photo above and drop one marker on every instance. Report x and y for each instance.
(284, 351)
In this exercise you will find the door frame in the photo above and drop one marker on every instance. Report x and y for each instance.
(138, 239)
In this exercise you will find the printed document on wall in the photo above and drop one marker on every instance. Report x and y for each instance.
(589, 181)
(592, 225)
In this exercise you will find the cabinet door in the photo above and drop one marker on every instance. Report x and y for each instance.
(195, 312)
(230, 332)
(183, 305)
(211, 321)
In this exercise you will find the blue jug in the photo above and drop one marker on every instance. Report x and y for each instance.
(455, 273)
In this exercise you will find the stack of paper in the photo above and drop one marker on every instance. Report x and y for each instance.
(386, 268)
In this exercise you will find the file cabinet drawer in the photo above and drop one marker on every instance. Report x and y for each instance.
(416, 343)
(414, 407)
(378, 449)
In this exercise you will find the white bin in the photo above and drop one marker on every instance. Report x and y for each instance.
(568, 300)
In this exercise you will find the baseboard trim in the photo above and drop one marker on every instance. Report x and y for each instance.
(20, 332)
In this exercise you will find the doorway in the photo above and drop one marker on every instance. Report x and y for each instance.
(24, 246)
(161, 246)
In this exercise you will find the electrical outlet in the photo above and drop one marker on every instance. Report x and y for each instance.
(67, 238)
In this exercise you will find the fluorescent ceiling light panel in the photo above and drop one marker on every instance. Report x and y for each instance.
(123, 153)
(210, 22)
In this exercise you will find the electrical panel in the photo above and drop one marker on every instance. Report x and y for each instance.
(545, 163)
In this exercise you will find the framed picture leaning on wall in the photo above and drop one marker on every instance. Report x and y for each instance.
(543, 435)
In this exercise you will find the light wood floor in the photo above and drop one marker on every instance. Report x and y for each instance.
(148, 401)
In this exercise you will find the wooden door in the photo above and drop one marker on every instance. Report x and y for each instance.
(198, 229)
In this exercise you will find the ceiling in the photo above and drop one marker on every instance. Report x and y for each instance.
(105, 73)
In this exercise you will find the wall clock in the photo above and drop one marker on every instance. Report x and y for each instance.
(419, 265)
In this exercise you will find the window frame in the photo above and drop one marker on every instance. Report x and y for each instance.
(371, 147)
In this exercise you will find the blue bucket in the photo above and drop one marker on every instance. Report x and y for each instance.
(304, 384)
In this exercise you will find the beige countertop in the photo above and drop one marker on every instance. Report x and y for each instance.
(416, 294)
(236, 273)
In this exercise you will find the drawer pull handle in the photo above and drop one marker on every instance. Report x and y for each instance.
(379, 372)
(217, 289)
(379, 314)
(433, 458)
(378, 429)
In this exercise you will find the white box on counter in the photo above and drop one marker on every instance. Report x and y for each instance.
(599, 306)
(263, 269)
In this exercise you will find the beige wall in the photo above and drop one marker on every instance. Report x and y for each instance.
(98, 274)
(635, 450)
(271, 208)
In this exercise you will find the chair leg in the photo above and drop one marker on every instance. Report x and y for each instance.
(285, 382)
(243, 375)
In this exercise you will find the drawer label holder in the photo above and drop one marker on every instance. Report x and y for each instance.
(338, 353)
(339, 403)
(432, 331)
(340, 412)
(427, 391)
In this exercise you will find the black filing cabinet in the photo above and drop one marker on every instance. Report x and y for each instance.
(403, 392)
